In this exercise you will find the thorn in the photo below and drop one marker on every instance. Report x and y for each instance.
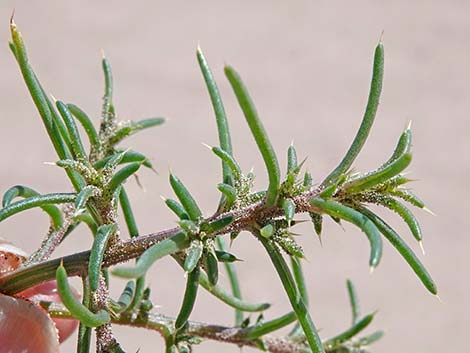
(137, 179)
(428, 210)
(438, 297)
(299, 221)
(50, 163)
(163, 198)
(12, 19)
(320, 240)
(371, 269)
(408, 127)
(77, 213)
(103, 55)
(206, 145)
(292, 143)
(53, 98)
(422, 247)
(381, 40)
(199, 47)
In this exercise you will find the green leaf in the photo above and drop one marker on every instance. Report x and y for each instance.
(368, 119)
(353, 300)
(336, 209)
(86, 123)
(400, 245)
(233, 279)
(288, 205)
(169, 246)
(134, 127)
(121, 176)
(77, 309)
(128, 157)
(229, 161)
(83, 196)
(23, 191)
(220, 116)
(378, 176)
(271, 325)
(128, 214)
(224, 256)
(350, 332)
(291, 159)
(295, 299)
(108, 109)
(405, 213)
(229, 299)
(36, 201)
(301, 285)
(185, 198)
(229, 192)
(103, 233)
(259, 133)
(190, 294)
(125, 299)
(193, 255)
(177, 208)
(75, 139)
(220, 223)
(212, 267)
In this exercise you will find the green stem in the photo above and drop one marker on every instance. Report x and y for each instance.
(294, 296)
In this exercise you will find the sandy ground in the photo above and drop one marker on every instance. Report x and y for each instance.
(308, 66)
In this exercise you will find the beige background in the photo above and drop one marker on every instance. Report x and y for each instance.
(308, 66)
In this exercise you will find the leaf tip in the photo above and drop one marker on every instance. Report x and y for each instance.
(206, 145)
(421, 247)
(428, 211)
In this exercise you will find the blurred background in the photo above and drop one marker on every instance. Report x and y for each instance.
(307, 65)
